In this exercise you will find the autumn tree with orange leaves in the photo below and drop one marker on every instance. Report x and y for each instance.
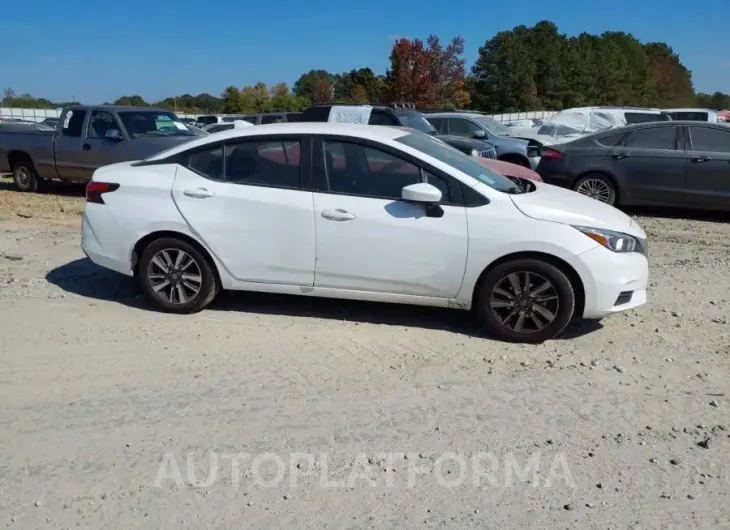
(428, 75)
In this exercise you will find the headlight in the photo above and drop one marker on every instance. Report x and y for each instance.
(474, 152)
(615, 241)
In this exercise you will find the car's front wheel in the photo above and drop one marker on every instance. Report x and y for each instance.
(525, 300)
(176, 276)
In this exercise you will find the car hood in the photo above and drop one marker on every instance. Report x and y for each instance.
(550, 203)
(479, 145)
(510, 141)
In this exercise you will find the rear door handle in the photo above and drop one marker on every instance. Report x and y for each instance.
(86, 147)
(620, 156)
(700, 159)
(338, 215)
(198, 193)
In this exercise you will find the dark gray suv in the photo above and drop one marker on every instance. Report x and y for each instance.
(486, 128)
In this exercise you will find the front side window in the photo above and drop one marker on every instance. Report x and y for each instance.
(207, 120)
(101, 122)
(220, 127)
(439, 124)
(462, 127)
(709, 139)
(493, 125)
(353, 169)
(140, 123)
(73, 123)
(465, 164)
(690, 116)
(664, 138)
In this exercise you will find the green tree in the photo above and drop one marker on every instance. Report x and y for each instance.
(307, 83)
(504, 74)
(669, 83)
(134, 101)
(232, 101)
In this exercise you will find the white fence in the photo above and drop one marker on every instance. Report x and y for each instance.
(42, 114)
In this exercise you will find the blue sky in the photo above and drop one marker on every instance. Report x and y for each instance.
(97, 50)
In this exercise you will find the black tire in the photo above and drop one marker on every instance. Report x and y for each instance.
(209, 284)
(26, 177)
(562, 307)
(611, 196)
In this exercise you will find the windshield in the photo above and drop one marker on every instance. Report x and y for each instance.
(415, 120)
(150, 123)
(458, 160)
(493, 125)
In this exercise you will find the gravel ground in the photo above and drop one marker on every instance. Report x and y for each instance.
(621, 425)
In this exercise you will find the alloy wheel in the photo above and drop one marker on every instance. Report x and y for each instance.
(524, 302)
(175, 276)
(595, 189)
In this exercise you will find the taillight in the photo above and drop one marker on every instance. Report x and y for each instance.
(95, 190)
(551, 154)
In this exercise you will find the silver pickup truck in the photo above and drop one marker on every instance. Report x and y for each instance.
(85, 139)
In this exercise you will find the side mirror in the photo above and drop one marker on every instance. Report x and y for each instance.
(421, 193)
(113, 134)
(479, 133)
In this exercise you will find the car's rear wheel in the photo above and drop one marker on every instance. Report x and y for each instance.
(597, 187)
(26, 177)
(176, 276)
(525, 300)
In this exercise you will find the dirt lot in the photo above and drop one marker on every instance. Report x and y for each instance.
(97, 392)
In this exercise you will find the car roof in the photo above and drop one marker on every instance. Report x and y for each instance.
(454, 113)
(356, 130)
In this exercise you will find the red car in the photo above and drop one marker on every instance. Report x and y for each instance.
(507, 169)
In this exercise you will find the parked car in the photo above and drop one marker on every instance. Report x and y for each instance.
(676, 163)
(573, 123)
(485, 128)
(507, 169)
(708, 115)
(361, 212)
(273, 117)
(396, 116)
(219, 127)
(87, 138)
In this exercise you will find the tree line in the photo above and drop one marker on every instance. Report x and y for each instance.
(523, 69)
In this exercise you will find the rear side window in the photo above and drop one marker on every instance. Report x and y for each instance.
(664, 138)
(709, 139)
(272, 164)
(611, 140)
(73, 123)
(380, 118)
(293, 117)
(208, 163)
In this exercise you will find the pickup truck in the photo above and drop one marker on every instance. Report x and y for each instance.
(86, 138)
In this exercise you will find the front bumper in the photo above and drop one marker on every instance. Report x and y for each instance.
(613, 281)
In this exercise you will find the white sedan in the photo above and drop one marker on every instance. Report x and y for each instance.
(365, 213)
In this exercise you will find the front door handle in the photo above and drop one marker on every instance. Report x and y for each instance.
(198, 193)
(620, 156)
(700, 159)
(338, 215)
(86, 147)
